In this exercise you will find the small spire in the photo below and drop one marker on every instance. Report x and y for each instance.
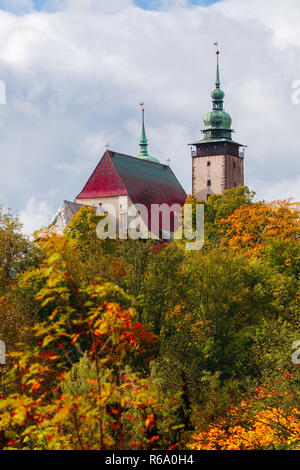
(218, 95)
(218, 72)
(143, 141)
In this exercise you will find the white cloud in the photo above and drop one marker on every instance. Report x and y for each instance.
(284, 189)
(280, 19)
(75, 78)
(92, 144)
(35, 215)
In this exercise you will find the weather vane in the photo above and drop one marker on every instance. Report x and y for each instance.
(168, 161)
(107, 146)
(216, 43)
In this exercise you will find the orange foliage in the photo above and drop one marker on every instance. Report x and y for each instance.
(244, 428)
(251, 227)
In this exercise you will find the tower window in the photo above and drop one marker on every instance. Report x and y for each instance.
(207, 196)
(208, 182)
(234, 165)
(208, 163)
(235, 185)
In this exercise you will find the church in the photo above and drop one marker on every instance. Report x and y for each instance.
(123, 181)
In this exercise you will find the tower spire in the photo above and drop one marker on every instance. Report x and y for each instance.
(217, 123)
(143, 140)
(218, 72)
(218, 95)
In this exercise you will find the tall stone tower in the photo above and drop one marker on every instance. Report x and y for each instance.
(218, 161)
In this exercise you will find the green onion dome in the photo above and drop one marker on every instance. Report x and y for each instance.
(217, 120)
(218, 95)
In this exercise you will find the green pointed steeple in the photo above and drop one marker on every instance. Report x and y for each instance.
(218, 73)
(144, 143)
(218, 95)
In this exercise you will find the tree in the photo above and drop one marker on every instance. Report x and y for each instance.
(120, 402)
(16, 251)
(250, 228)
(218, 207)
(259, 422)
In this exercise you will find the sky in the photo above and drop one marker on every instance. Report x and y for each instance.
(76, 70)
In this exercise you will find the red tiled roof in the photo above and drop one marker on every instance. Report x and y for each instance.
(145, 182)
(104, 181)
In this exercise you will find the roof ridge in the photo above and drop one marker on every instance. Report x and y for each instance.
(136, 158)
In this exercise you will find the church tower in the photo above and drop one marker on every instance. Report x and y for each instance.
(218, 161)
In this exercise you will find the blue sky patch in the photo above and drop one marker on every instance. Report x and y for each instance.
(146, 4)
(39, 4)
(46, 4)
(155, 4)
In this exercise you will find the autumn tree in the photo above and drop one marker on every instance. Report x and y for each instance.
(267, 420)
(218, 207)
(17, 252)
(250, 228)
(120, 402)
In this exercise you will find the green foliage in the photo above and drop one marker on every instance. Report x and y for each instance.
(223, 205)
(284, 257)
(218, 207)
(76, 382)
(82, 228)
(16, 252)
